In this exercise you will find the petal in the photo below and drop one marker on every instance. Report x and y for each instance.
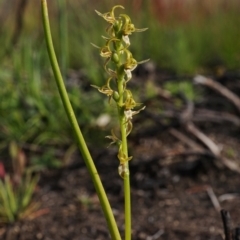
(140, 29)
(95, 45)
(143, 61)
(125, 38)
(128, 73)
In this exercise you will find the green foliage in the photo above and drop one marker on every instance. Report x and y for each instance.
(15, 199)
(16, 192)
(183, 87)
(24, 113)
(28, 100)
(27, 95)
(193, 45)
(46, 160)
(184, 46)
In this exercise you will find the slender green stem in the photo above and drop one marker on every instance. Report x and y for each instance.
(81, 142)
(127, 192)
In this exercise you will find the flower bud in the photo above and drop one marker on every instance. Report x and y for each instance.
(115, 58)
(123, 170)
(115, 96)
(117, 26)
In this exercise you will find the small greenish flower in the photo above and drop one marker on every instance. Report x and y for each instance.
(128, 28)
(123, 170)
(105, 52)
(114, 138)
(128, 116)
(122, 156)
(105, 89)
(129, 113)
(130, 102)
(130, 63)
(111, 72)
(109, 16)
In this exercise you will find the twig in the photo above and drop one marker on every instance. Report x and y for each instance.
(219, 88)
(192, 144)
(200, 115)
(204, 115)
(230, 164)
(237, 233)
(185, 120)
(227, 224)
(210, 193)
(203, 138)
(228, 197)
(187, 114)
(213, 198)
(156, 235)
(212, 147)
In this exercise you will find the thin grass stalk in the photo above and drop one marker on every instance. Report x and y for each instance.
(114, 232)
(13, 204)
(63, 35)
(5, 202)
(29, 185)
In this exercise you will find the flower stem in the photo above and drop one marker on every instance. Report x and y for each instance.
(127, 193)
(127, 197)
(80, 140)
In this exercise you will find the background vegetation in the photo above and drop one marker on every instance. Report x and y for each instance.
(184, 38)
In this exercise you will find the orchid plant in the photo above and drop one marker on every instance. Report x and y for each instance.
(115, 51)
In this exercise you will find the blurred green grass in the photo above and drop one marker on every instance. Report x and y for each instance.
(185, 38)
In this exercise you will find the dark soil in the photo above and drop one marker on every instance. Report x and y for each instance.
(170, 191)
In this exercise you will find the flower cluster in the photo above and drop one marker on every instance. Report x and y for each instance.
(117, 55)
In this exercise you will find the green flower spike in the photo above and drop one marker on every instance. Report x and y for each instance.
(123, 63)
